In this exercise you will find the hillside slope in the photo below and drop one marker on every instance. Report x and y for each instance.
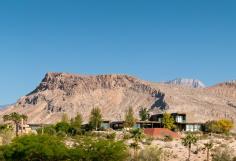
(114, 94)
(60, 92)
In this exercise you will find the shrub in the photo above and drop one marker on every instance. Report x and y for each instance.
(99, 150)
(222, 154)
(35, 147)
(168, 138)
(225, 125)
(6, 135)
(150, 154)
(111, 136)
(62, 127)
(50, 130)
(126, 135)
(148, 140)
(220, 126)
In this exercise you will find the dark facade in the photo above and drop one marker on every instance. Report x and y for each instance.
(116, 125)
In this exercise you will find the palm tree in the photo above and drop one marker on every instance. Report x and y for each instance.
(188, 141)
(16, 118)
(95, 119)
(144, 114)
(208, 146)
(137, 135)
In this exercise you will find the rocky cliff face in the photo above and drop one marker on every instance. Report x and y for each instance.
(192, 83)
(60, 93)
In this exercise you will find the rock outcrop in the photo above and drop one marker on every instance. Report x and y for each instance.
(114, 94)
(192, 83)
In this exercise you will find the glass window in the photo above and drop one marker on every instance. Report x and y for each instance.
(179, 119)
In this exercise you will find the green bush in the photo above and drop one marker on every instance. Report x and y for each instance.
(35, 148)
(63, 127)
(50, 130)
(52, 148)
(111, 136)
(99, 150)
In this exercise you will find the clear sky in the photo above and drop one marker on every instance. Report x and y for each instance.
(153, 40)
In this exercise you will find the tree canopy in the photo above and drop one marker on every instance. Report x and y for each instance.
(129, 118)
(16, 118)
(220, 126)
(95, 119)
(144, 114)
(168, 121)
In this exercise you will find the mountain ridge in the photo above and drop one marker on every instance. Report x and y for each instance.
(188, 82)
(60, 93)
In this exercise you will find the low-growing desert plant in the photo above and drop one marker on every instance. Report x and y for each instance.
(6, 136)
(148, 140)
(222, 154)
(111, 136)
(150, 154)
(168, 138)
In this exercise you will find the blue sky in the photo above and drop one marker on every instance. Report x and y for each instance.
(153, 40)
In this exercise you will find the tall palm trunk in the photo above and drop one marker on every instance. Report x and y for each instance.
(189, 152)
(17, 129)
(96, 126)
(135, 153)
(208, 152)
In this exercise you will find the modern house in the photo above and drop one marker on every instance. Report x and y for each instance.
(155, 121)
(181, 122)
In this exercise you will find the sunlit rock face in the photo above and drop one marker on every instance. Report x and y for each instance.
(60, 93)
(192, 83)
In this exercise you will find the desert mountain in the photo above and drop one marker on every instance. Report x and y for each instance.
(60, 93)
(192, 83)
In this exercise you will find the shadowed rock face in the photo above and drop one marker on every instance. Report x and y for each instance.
(114, 94)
